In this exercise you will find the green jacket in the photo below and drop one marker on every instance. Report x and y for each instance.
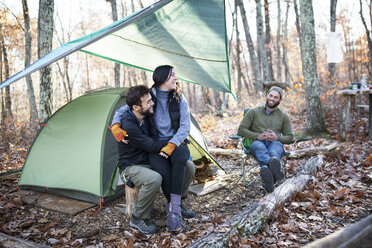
(256, 121)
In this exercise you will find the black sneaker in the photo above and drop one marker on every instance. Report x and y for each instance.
(142, 225)
(187, 213)
(274, 166)
(267, 178)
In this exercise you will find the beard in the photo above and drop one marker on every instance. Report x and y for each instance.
(148, 113)
(273, 106)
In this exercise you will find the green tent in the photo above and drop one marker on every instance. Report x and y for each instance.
(75, 154)
(187, 34)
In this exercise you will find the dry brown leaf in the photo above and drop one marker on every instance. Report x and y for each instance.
(111, 237)
(341, 193)
(368, 161)
(9, 205)
(43, 220)
(59, 232)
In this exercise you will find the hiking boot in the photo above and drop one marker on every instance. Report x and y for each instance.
(267, 179)
(187, 213)
(174, 215)
(142, 225)
(274, 166)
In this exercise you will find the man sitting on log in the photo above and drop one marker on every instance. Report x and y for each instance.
(269, 128)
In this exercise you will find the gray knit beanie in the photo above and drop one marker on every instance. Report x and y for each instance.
(278, 89)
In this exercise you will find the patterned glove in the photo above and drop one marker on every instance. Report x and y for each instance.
(119, 133)
(168, 149)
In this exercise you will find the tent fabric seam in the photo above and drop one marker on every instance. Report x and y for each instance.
(164, 50)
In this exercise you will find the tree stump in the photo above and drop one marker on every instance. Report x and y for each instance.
(131, 196)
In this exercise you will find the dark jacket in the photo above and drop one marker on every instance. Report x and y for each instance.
(140, 143)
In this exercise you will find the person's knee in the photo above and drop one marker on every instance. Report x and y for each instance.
(190, 168)
(257, 145)
(155, 180)
(181, 154)
(276, 149)
(179, 161)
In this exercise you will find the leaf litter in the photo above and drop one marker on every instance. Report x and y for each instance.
(337, 195)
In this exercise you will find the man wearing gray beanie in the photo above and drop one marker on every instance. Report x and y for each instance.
(269, 128)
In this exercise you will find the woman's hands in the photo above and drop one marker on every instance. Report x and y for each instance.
(167, 150)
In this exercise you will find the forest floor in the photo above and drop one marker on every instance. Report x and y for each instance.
(337, 195)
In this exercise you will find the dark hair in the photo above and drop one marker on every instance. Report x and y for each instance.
(161, 74)
(134, 94)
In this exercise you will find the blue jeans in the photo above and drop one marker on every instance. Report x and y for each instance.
(263, 150)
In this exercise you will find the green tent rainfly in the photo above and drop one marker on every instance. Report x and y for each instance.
(188, 34)
(75, 154)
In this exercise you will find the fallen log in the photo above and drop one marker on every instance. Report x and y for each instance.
(358, 234)
(15, 242)
(323, 150)
(253, 218)
(226, 152)
(312, 151)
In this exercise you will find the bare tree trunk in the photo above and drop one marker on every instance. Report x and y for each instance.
(132, 6)
(370, 43)
(284, 45)
(247, 80)
(354, 63)
(124, 76)
(268, 40)
(232, 31)
(133, 77)
(189, 96)
(332, 66)
(217, 99)
(3, 114)
(30, 88)
(117, 66)
(129, 77)
(261, 43)
(206, 98)
(368, 34)
(87, 68)
(315, 119)
(67, 85)
(278, 52)
(64, 71)
(45, 41)
(252, 53)
(8, 101)
(298, 25)
(225, 103)
(144, 78)
(140, 4)
(237, 62)
(194, 96)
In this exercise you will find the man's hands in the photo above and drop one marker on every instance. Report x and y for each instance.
(167, 150)
(268, 135)
(119, 133)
